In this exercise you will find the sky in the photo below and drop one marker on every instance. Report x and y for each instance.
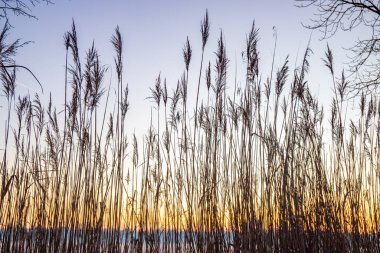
(154, 34)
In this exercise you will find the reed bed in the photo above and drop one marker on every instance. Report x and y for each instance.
(245, 170)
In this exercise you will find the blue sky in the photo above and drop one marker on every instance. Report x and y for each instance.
(154, 33)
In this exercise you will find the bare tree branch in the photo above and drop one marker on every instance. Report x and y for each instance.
(19, 7)
(346, 15)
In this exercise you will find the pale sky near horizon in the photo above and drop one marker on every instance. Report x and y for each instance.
(154, 34)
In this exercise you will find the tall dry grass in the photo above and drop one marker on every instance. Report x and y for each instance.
(246, 170)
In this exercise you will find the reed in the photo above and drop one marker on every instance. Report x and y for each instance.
(245, 170)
